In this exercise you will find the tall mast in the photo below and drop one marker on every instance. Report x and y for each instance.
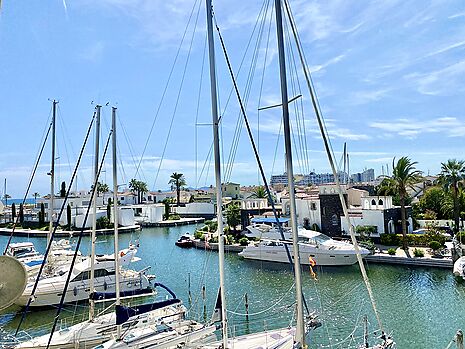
(216, 146)
(115, 214)
(94, 214)
(52, 173)
(300, 327)
(345, 162)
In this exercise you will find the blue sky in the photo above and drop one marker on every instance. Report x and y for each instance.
(389, 74)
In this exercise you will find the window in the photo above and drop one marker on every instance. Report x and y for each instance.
(373, 202)
(380, 202)
(122, 198)
(334, 219)
(85, 203)
(313, 206)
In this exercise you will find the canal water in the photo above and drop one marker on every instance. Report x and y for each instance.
(421, 307)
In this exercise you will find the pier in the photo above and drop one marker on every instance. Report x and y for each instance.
(33, 233)
(174, 223)
(400, 258)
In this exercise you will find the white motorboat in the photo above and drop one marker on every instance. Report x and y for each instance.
(267, 228)
(60, 256)
(459, 268)
(314, 247)
(49, 290)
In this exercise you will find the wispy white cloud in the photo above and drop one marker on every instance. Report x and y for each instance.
(93, 53)
(445, 81)
(412, 128)
(322, 66)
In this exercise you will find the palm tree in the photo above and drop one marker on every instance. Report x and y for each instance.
(177, 181)
(35, 195)
(404, 176)
(260, 192)
(138, 187)
(451, 177)
(102, 188)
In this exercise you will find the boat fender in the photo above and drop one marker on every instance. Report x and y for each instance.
(129, 284)
(122, 254)
(105, 285)
(75, 291)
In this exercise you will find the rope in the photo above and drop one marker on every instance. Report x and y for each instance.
(264, 310)
(254, 147)
(81, 234)
(165, 89)
(28, 188)
(330, 157)
(178, 96)
(47, 251)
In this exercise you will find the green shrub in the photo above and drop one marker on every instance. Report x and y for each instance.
(174, 217)
(418, 253)
(214, 240)
(392, 251)
(198, 234)
(243, 241)
(390, 240)
(434, 245)
(103, 223)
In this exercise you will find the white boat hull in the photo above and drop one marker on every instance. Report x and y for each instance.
(49, 292)
(89, 334)
(274, 339)
(459, 268)
(322, 257)
(178, 334)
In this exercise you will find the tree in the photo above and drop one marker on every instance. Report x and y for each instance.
(404, 176)
(63, 190)
(109, 209)
(42, 214)
(233, 215)
(177, 181)
(13, 211)
(451, 177)
(102, 188)
(35, 195)
(139, 188)
(68, 216)
(21, 214)
(260, 192)
(433, 200)
(166, 202)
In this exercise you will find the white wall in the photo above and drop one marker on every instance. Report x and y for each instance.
(125, 216)
(196, 208)
(368, 217)
(306, 208)
(79, 219)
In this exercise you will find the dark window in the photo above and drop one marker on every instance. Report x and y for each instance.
(380, 202)
(373, 202)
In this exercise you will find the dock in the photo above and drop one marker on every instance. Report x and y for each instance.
(400, 258)
(33, 233)
(213, 246)
(174, 223)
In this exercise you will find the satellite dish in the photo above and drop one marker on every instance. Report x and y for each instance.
(13, 280)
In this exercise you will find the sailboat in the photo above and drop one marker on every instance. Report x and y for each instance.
(284, 338)
(101, 328)
(60, 255)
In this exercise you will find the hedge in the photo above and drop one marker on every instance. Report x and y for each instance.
(412, 239)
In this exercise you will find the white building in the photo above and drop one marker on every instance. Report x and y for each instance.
(148, 213)
(197, 209)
